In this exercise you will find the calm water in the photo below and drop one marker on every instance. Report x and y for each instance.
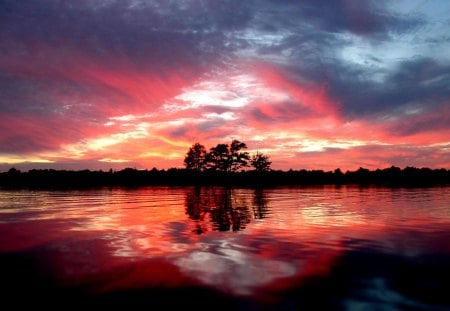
(214, 248)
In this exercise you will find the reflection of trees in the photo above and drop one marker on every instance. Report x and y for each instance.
(260, 206)
(195, 210)
(227, 209)
(230, 212)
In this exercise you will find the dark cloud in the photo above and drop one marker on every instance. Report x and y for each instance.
(314, 21)
(58, 96)
(47, 45)
(281, 112)
(311, 35)
(162, 33)
(24, 144)
(422, 77)
(433, 121)
(421, 81)
(262, 117)
(165, 35)
(178, 132)
(368, 18)
(334, 16)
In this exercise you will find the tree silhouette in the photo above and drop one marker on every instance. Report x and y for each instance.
(218, 158)
(260, 162)
(228, 158)
(239, 159)
(196, 157)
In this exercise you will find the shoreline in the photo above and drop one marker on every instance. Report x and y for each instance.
(129, 177)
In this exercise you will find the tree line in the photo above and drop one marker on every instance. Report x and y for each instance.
(131, 177)
(222, 165)
(225, 158)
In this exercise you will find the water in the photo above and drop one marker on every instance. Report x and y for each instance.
(289, 248)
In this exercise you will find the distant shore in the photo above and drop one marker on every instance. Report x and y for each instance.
(392, 176)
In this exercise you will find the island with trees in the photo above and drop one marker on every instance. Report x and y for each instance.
(223, 165)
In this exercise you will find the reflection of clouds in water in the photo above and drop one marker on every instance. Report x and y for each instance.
(129, 244)
(213, 260)
(224, 263)
(152, 240)
(233, 270)
(121, 244)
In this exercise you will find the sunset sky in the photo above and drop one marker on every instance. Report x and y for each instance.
(99, 84)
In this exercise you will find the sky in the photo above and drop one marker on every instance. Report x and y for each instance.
(314, 84)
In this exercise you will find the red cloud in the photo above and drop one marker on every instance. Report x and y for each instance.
(311, 97)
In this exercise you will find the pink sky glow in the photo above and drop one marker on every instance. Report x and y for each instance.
(135, 94)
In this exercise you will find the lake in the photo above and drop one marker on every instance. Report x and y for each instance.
(287, 248)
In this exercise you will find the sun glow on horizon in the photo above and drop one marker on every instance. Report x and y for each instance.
(264, 107)
(16, 159)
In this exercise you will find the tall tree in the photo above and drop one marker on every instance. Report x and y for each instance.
(238, 158)
(195, 158)
(228, 158)
(218, 158)
(260, 162)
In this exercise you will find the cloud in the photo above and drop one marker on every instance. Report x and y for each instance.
(140, 81)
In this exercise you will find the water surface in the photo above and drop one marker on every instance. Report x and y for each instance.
(283, 248)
